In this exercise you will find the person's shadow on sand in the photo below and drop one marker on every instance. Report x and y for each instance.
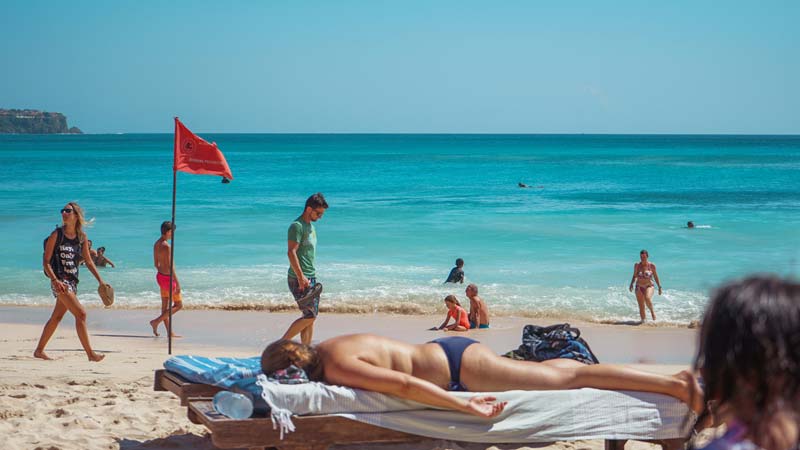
(180, 441)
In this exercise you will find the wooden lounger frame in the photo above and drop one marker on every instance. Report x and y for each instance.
(312, 432)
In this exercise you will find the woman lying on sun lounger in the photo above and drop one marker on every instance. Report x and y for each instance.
(425, 372)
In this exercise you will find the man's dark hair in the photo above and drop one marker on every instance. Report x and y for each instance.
(101, 249)
(749, 352)
(166, 226)
(459, 262)
(317, 201)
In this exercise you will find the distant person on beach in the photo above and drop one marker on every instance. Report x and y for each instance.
(457, 313)
(163, 263)
(749, 358)
(690, 224)
(101, 260)
(457, 273)
(478, 312)
(60, 263)
(426, 373)
(644, 272)
(302, 277)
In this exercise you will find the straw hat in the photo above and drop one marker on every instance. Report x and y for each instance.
(106, 293)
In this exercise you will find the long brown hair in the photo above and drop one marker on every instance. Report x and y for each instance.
(80, 220)
(749, 356)
(452, 299)
(283, 353)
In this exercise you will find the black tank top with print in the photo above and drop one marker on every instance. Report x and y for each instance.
(67, 253)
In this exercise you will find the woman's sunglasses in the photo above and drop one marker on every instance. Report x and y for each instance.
(67, 211)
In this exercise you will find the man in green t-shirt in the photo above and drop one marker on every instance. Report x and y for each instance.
(302, 275)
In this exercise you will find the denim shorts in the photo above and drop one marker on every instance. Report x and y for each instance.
(310, 306)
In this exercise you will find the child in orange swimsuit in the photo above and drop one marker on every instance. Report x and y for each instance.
(458, 314)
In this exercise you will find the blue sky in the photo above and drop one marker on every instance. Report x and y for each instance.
(407, 66)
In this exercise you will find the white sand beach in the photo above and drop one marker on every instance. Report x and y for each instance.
(71, 403)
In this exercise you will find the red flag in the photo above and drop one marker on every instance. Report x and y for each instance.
(194, 155)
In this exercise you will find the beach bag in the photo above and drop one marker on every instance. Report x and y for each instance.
(54, 262)
(555, 341)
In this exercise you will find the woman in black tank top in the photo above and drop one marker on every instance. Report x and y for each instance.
(64, 248)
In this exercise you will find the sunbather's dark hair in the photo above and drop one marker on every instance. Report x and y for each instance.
(749, 356)
(283, 353)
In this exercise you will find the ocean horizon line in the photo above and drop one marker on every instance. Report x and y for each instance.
(311, 133)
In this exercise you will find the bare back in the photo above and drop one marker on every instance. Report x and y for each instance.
(345, 356)
(481, 312)
(161, 256)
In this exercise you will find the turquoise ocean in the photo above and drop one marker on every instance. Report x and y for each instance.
(404, 207)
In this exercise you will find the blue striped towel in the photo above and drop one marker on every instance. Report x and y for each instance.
(222, 372)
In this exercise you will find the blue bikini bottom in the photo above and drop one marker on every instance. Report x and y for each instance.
(454, 347)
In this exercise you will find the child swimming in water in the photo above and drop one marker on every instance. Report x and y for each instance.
(749, 357)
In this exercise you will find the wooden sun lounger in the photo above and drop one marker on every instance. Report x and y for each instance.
(312, 432)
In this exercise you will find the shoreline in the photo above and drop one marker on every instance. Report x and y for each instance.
(624, 343)
(390, 310)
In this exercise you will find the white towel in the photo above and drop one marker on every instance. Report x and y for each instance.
(530, 416)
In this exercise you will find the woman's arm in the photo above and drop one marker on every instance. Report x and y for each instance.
(87, 257)
(359, 374)
(655, 275)
(633, 278)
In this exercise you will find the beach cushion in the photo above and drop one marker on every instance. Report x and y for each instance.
(222, 372)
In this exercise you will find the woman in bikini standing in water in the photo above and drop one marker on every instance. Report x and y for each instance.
(644, 272)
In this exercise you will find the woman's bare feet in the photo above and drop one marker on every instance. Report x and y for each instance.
(692, 392)
(96, 357)
(154, 324)
(41, 355)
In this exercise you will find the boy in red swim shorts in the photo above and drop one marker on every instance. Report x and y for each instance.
(161, 259)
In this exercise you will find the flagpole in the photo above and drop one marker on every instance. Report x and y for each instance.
(172, 243)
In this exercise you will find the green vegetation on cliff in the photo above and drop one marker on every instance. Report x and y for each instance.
(31, 121)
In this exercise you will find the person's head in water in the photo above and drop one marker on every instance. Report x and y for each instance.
(101, 250)
(643, 255)
(459, 263)
(749, 357)
(315, 207)
(690, 224)
(284, 353)
(167, 228)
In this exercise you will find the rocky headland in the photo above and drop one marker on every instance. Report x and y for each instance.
(31, 121)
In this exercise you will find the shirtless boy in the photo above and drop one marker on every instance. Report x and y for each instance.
(161, 259)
